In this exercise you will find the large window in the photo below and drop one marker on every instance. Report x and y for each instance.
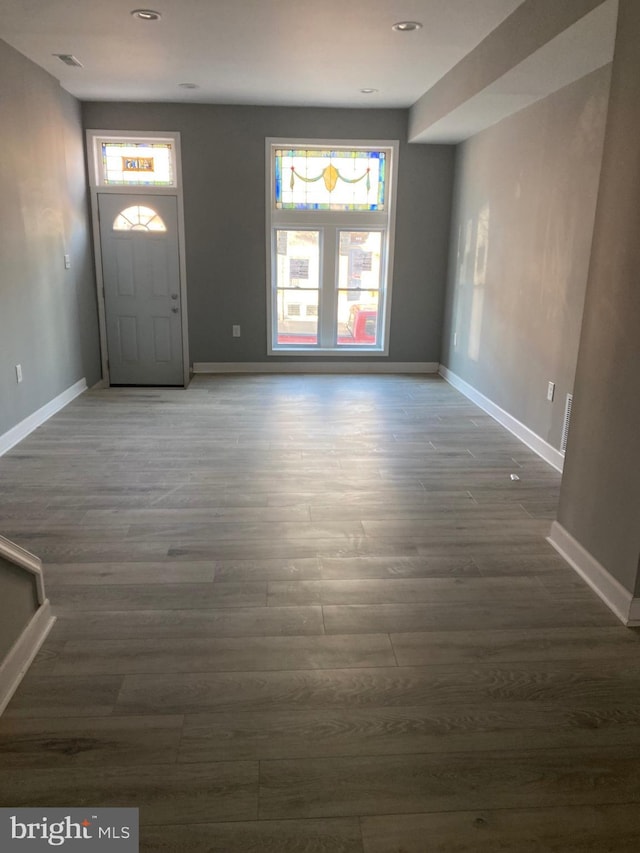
(329, 245)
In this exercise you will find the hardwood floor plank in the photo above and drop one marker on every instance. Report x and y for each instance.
(458, 590)
(46, 658)
(232, 622)
(481, 530)
(396, 618)
(221, 531)
(565, 586)
(156, 596)
(108, 550)
(164, 793)
(589, 683)
(498, 564)
(361, 568)
(159, 516)
(533, 644)
(339, 787)
(244, 654)
(48, 696)
(438, 727)
(338, 835)
(425, 511)
(266, 570)
(129, 572)
(290, 549)
(88, 741)
(523, 546)
(569, 829)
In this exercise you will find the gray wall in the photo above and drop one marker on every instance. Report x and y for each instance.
(224, 194)
(48, 320)
(600, 497)
(18, 604)
(524, 206)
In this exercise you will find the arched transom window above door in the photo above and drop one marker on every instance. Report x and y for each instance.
(138, 218)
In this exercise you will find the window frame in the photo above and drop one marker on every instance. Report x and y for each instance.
(98, 179)
(330, 223)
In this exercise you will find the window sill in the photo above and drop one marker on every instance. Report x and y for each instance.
(311, 351)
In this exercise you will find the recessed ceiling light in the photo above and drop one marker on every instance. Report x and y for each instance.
(188, 85)
(146, 14)
(368, 91)
(407, 26)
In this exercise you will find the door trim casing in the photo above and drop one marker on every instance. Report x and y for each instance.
(95, 188)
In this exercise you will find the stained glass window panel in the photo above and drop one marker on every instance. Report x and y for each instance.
(330, 179)
(138, 164)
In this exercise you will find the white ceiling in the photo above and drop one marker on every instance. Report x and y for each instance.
(277, 52)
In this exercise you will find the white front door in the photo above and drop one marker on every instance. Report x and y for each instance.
(141, 276)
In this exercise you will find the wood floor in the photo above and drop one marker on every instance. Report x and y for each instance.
(315, 614)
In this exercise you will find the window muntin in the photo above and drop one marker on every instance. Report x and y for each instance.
(129, 163)
(329, 179)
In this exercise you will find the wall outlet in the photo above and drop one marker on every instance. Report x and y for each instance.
(67, 262)
(551, 390)
(18, 373)
(236, 331)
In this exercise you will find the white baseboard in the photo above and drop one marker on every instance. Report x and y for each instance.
(315, 367)
(527, 436)
(25, 560)
(22, 430)
(611, 591)
(22, 653)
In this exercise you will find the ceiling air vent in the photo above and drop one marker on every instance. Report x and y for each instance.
(565, 425)
(69, 59)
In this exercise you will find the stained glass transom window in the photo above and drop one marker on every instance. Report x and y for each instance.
(138, 164)
(330, 179)
(138, 218)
